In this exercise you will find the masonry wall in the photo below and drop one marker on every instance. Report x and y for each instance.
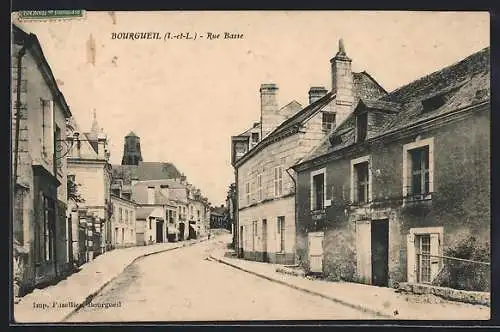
(34, 87)
(125, 224)
(460, 199)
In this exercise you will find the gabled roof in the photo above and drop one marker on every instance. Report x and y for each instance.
(33, 44)
(464, 83)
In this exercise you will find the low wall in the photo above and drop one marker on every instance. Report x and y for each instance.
(482, 298)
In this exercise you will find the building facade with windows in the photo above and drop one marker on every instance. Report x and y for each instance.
(404, 181)
(39, 171)
(88, 165)
(265, 182)
(123, 222)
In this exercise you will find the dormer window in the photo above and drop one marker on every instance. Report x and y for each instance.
(328, 121)
(361, 126)
(255, 137)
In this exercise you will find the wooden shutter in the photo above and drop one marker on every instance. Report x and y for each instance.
(435, 251)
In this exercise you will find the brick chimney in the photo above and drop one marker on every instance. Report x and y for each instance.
(270, 117)
(342, 83)
(316, 92)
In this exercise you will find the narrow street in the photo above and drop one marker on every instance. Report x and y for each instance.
(184, 285)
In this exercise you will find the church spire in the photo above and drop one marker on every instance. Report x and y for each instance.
(95, 126)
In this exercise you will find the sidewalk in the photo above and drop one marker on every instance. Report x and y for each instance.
(379, 301)
(54, 303)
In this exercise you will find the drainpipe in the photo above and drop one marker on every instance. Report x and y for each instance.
(20, 55)
(295, 209)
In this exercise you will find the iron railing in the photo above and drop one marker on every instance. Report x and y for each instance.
(453, 272)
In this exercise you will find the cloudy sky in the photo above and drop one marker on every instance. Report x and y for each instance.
(185, 98)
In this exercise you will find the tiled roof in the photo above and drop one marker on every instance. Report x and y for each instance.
(464, 83)
(146, 171)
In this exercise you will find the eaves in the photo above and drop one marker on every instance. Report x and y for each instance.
(266, 142)
(394, 135)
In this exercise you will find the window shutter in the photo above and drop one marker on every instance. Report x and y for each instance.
(435, 261)
(50, 126)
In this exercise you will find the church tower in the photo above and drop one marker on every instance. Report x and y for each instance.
(132, 150)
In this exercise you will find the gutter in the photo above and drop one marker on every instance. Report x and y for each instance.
(21, 53)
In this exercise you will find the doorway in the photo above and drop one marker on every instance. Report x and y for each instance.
(380, 252)
(315, 251)
(181, 231)
(159, 231)
(265, 257)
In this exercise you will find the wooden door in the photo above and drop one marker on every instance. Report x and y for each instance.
(380, 252)
(315, 246)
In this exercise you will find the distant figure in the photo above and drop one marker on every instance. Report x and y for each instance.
(209, 233)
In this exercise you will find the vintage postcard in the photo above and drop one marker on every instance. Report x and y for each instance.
(207, 166)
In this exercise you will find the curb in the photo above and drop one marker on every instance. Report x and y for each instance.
(91, 296)
(305, 290)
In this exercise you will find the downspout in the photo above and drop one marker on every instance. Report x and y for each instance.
(295, 210)
(20, 55)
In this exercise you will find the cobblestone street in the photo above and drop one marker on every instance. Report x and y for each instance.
(187, 286)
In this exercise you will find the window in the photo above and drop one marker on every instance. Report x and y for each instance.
(47, 127)
(255, 137)
(424, 257)
(259, 186)
(281, 233)
(116, 192)
(418, 163)
(328, 121)
(424, 262)
(126, 217)
(420, 171)
(48, 228)
(278, 181)
(318, 190)
(121, 215)
(360, 180)
(131, 235)
(247, 191)
(116, 235)
(361, 126)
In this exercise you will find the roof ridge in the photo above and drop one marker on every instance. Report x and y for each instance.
(442, 69)
(364, 72)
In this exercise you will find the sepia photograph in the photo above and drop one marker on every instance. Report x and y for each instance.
(243, 166)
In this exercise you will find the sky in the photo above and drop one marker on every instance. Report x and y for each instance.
(186, 98)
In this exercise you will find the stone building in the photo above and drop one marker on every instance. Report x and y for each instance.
(265, 182)
(157, 216)
(404, 181)
(123, 220)
(88, 164)
(39, 170)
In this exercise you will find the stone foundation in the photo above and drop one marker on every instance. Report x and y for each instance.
(482, 298)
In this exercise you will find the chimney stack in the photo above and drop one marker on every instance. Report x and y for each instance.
(151, 195)
(316, 92)
(269, 109)
(342, 83)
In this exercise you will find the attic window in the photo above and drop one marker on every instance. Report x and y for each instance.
(255, 137)
(433, 103)
(328, 121)
(335, 140)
